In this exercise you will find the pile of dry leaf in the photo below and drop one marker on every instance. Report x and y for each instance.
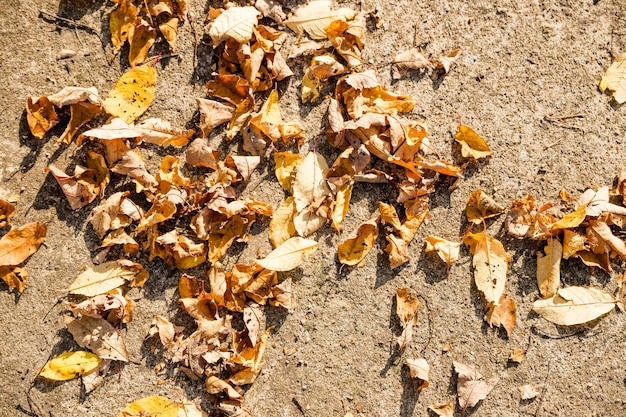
(192, 220)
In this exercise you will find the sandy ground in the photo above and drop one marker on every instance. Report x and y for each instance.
(520, 62)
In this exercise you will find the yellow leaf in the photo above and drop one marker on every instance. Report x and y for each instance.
(604, 231)
(518, 355)
(490, 262)
(107, 276)
(169, 30)
(286, 162)
(549, 268)
(310, 87)
(342, 204)
(281, 224)
(503, 314)
(141, 38)
(151, 406)
(443, 409)
(575, 305)
(160, 132)
(235, 23)
(14, 277)
(289, 255)
(68, 365)
(353, 250)
(571, 220)
(309, 184)
(268, 119)
(472, 145)
(17, 245)
(315, 16)
(446, 250)
(480, 206)
(419, 371)
(614, 79)
(121, 20)
(133, 93)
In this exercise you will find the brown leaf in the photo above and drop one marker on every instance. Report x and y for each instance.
(443, 409)
(182, 251)
(281, 224)
(353, 250)
(99, 336)
(419, 371)
(518, 355)
(199, 153)
(115, 212)
(132, 164)
(212, 114)
(6, 212)
(271, 9)
(14, 277)
(253, 319)
(160, 132)
(120, 237)
(444, 63)
(40, 115)
(235, 23)
(520, 218)
(527, 392)
(604, 231)
(503, 314)
(412, 59)
(315, 16)
(471, 388)
(549, 268)
(407, 306)
(17, 245)
(480, 206)
(244, 165)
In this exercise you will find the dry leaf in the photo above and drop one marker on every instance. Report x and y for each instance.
(407, 306)
(443, 409)
(213, 113)
(121, 22)
(490, 262)
(235, 23)
(480, 206)
(527, 392)
(253, 318)
(152, 406)
(160, 132)
(108, 276)
(575, 305)
(549, 268)
(419, 371)
(412, 59)
(244, 165)
(518, 355)
(40, 115)
(115, 212)
(503, 314)
(286, 163)
(604, 231)
(309, 185)
(289, 255)
(200, 154)
(520, 219)
(315, 16)
(281, 223)
(444, 63)
(68, 365)
(133, 93)
(472, 145)
(14, 277)
(571, 220)
(81, 188)
(99, 336)
(446, 250)
(470, 387)
(353, 250)
(17, 245)
(132, 164)
(615, 79)
(271, 9)
(169, 30)
(141, 37)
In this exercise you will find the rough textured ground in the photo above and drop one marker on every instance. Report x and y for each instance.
(520, 61)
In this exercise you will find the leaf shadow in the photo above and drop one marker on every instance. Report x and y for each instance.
(76, 9)
(410, 394)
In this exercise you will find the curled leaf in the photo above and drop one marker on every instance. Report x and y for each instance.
(480, 206)
(17, 245)
(614, 79)
(472, 145)
(419, 370)
(446, 250)
(471, 388)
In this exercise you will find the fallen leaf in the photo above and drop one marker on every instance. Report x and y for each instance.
(133, 93)
(6, 212)
(286, 164)
(152, 406)
(490, 262)
(446, 250)
(86, 184)
(309, 185)
(549, 268)
(212, 114)
(521, 217)
(571, 220)
(253, 318)
(244, 165)
(503, 314)
(99, 336)
(108, 276)
(160, 132)
(358, 244)
(480, 206)
(412, 59)
(444, 63)
(289, 255)
(69, 365)
(271, 9)
(604, 231)
(121, 21)
(169, 30)
(40, 115)
(141, 37)
(133, 165)
(407, 306)
(527, 392)
(281, 224)
(235, 23)
(315, 16)
(443, 409)
(575, 305)
(199, 153)
(14, 277)
(615, 79)
(470, 387)
(472, 145)
(419, 371)
(17, 245)
(518, 355)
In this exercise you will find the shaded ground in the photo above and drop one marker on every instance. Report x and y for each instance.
(520, 62)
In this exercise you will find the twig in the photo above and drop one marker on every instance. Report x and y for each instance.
(557, 120)
(195, 42)
(157, 58)
(298, 406)
(68, 21)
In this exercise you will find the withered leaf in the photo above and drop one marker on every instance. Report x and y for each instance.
(490, 262)
(419, 371)
(407, 305)
(309, 185)
(527, 392)
(281, 223)
(213, 113)
(160, 132)
(141, 37)
(40, 115)
(471, 388)
(443, 409)
(271, 9)
(446, 250)
(234, 23)
(14, 277)
(315, 16)
(288, 255)
(472, 145)
(412, 59)
(358, 244)
(108, 276)
(518, 355)
(99, 336)
(133, 93)
(17, 245)
(575, 305)
(614, 79)
(480, 206)
(571, 220)
(444, 63)
(549, 268)
(502, 314)
(199, 153)
(121, 21)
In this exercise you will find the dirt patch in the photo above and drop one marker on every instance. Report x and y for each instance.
(519, 63)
